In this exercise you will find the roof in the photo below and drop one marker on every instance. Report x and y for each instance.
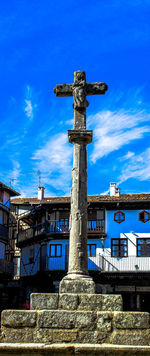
(11, 191)
(91, 198)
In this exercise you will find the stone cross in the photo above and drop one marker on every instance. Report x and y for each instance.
(79, 89)
(77, 279)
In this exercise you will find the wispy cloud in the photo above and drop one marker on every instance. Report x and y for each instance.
(54, 160)
(127, 156)
(138, 166)
(112, 130)
(29, 106)
(14, 174)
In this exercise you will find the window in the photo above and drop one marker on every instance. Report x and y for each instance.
(55, 250)
(119, 247)
(143, 247)
(144, 216)
(31, 255)
(91, 250)
(119, 217)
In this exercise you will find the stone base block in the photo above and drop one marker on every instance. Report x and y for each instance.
(131, 320)
(66, 301)
(17, 334)
(79, 285)
(130, 337)
(40, 301)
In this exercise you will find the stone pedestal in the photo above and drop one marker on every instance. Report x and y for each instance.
(77, 284)
(91, 319)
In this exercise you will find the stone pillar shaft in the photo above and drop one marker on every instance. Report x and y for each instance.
(78, 217)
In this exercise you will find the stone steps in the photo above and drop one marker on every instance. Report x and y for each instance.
(96, 302)
(75, 318)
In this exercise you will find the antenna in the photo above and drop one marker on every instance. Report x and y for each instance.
(39, 176)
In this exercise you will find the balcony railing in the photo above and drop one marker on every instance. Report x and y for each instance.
(121, 264)
(4, 232)
(58, 226)
(6, 267)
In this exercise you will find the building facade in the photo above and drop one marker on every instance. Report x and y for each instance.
(6, 263)
(118, 243)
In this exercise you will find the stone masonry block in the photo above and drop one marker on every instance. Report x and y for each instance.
(15, 335)
(18, 318)
(87, 337)
(64, 336)
(104, 321)
(130, 337)
(131, 320)
(112, 302)
(85, 320)
(59, 319)
(43, 335)
(76, 286)
(90, 302)
(68, 301)
(44, 301)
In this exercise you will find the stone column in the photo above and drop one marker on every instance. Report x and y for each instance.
(77, 279)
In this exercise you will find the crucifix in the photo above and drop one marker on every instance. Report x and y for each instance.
(80, 89)
(77, 279)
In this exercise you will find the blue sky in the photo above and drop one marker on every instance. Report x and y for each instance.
(42, 43)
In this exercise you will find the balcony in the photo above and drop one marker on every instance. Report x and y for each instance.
(60, 226)
(3, 233)
(6, 267)
(120, 264)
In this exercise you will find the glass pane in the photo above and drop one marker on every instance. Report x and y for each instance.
(58, 250)
(93, 250)
(52, 251)
(115, 242)
(88, 250)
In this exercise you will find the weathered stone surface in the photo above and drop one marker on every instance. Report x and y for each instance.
(1, 336)
(130, 337)
(43, 335)
(87, 337)
(85, 320)
(90, 302)
(64, 349)
(131, 320)
(44, 301)
(68, 301)
(64, 336)
(104, 321)
(15, 318)
(56, 319)
(112, 302)
(18, 334)
(76, 286)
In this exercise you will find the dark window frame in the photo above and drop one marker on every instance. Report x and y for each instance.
(89, 255)
(55, 250)
(120, 213)
(137, 244)
(144, 220)
(119, 247)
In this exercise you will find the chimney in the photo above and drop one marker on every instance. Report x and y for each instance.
(41, 193)
(114, 191)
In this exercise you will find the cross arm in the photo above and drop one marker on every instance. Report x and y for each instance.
(96, 88)
(63, 90)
